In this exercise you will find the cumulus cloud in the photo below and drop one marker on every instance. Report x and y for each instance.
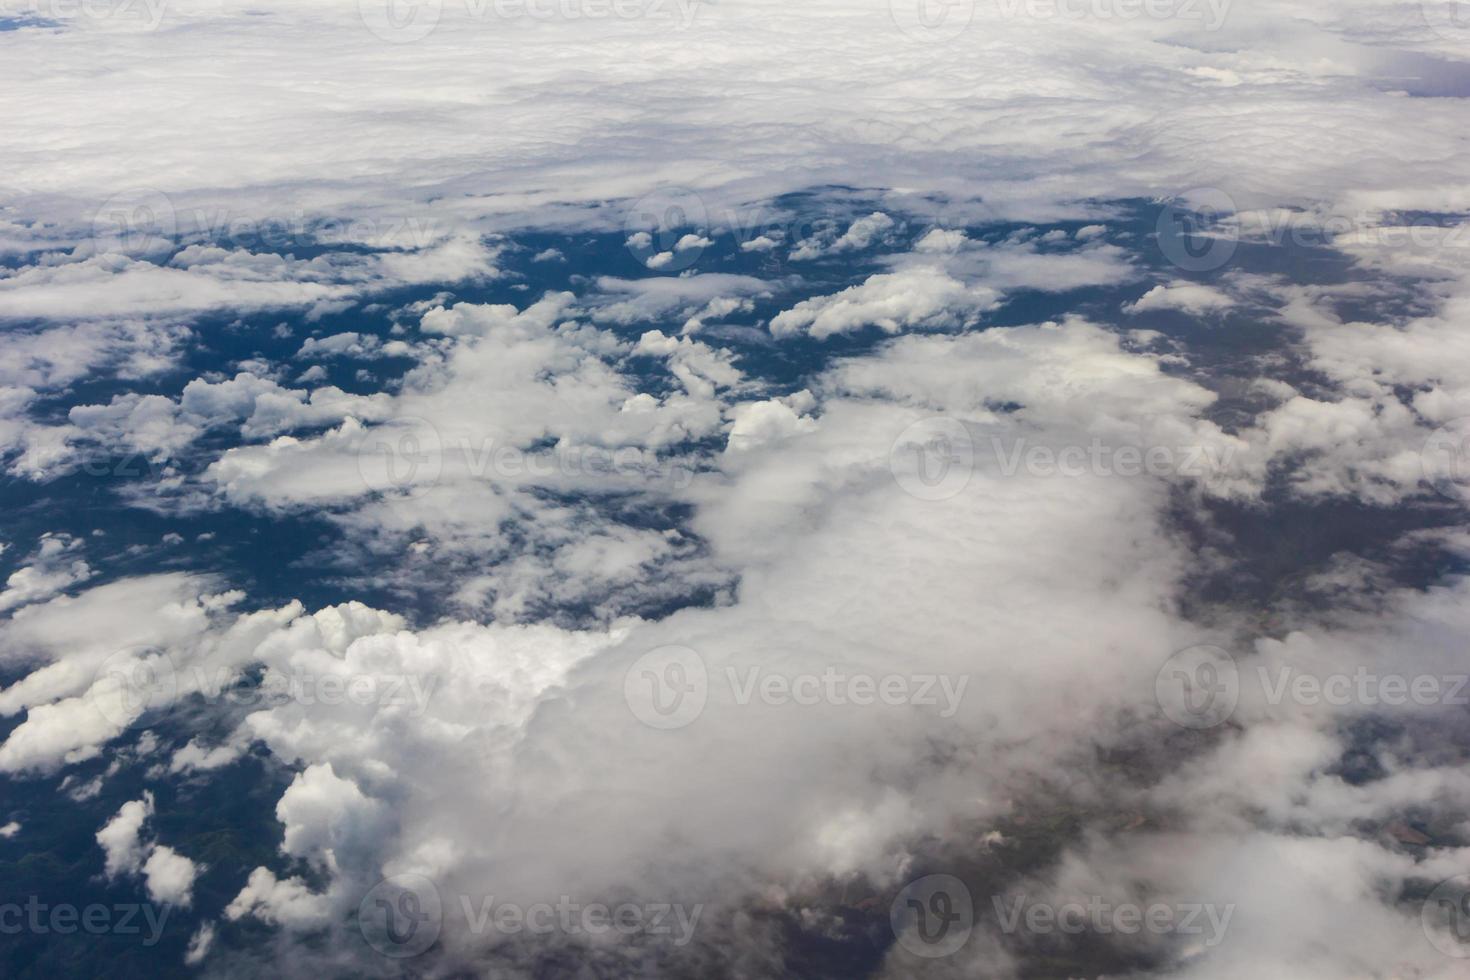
(199, 945)
(810, 492)
(1187, 296)
(1022, 514)
(120, 838)
(53, 567)
(170, 876)
(861, 234)
(158, 428)
(624, 301)
(290, 903)
(203, 278)
(917, 298)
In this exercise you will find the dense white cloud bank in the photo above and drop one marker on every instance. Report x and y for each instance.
(497, 118)
(507, 760)
(988, 514)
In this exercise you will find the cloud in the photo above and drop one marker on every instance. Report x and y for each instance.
(1192, 298)
(204, 278)
(925, 499)
(916, 298)
(194, 757)
(199, 945)
(860, 235)
(51, 571)
(808, 506)
(290, 902)
(324, 814)
(627, 301)
(120, 838)
(170, 876)
(159, 428)
(56, 356)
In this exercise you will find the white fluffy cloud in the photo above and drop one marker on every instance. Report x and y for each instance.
(205, 278)
(169, 875)
(120, 838)
(1189, 297)
(1112, 107)
(54, 566)
(948, 502)
(917, 298)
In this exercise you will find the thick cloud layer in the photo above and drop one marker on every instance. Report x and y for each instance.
(870, 497)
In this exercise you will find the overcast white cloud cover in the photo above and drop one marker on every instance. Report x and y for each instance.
(893, 488)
